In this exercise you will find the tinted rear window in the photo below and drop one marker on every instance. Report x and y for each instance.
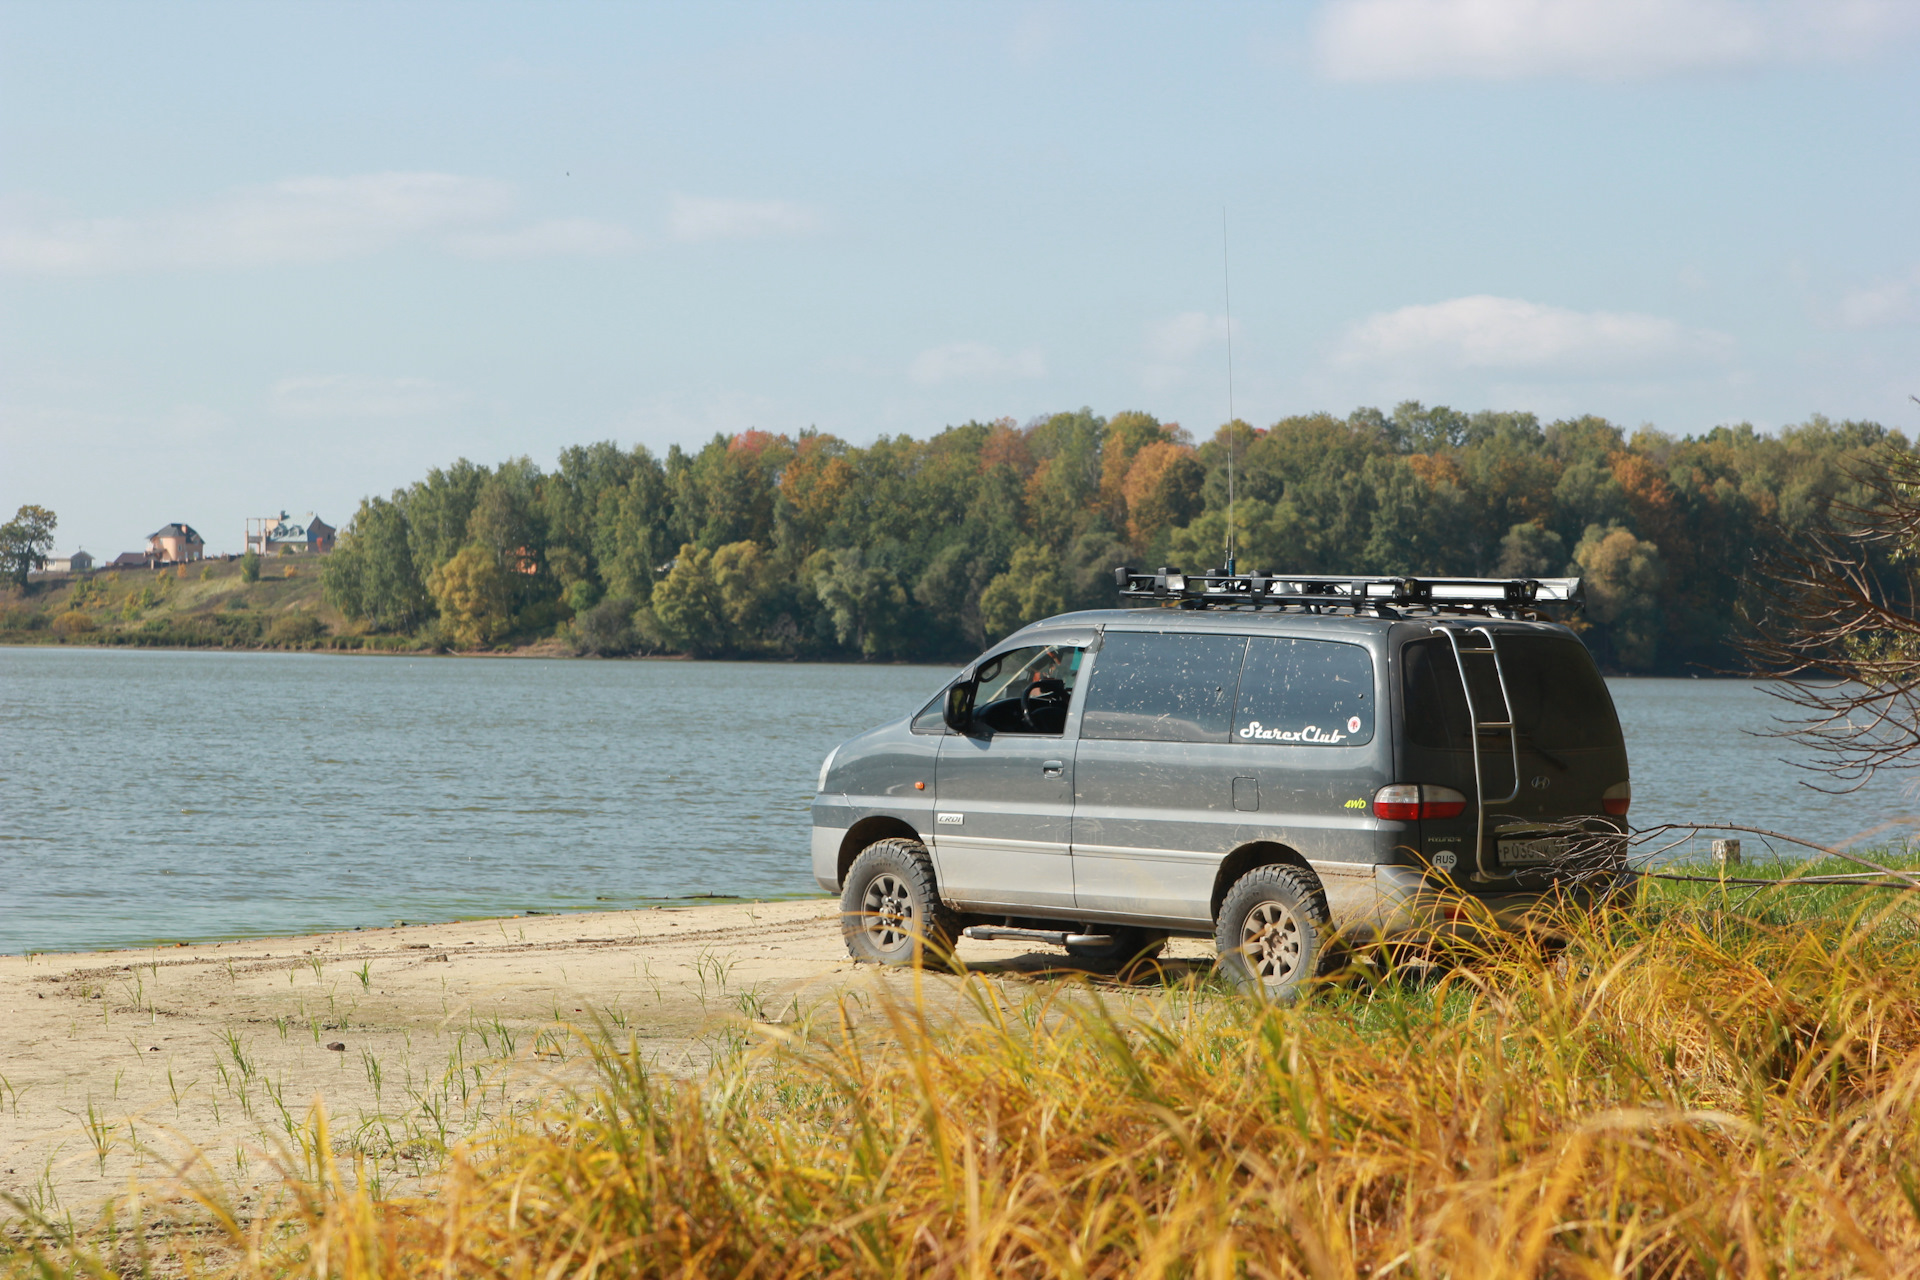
(1560, 702)
(1163, 687)
(1316, 693)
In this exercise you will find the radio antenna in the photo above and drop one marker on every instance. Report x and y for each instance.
(1226, 279)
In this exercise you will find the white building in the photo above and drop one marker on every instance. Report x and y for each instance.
(78, 562)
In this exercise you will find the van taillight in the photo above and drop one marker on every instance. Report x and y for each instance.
(1615, 799)
(1408, 802)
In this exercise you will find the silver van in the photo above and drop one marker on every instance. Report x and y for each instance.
(1272, 763)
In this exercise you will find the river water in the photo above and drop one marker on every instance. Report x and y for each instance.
(163, 795)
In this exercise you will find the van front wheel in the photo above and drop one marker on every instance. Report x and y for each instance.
(1272, 931)
(890, 908)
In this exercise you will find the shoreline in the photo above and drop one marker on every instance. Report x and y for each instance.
(544, 649)
(169, 944)
(558, 650)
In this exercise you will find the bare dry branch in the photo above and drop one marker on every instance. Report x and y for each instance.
(1838, 626)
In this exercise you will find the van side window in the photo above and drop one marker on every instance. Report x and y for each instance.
(1163, 687)
(1314, 693)
(1027, 690)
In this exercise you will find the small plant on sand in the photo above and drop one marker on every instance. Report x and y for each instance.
(237, 1049)
(99, 1134)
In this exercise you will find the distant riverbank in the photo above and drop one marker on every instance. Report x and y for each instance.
(211, 604)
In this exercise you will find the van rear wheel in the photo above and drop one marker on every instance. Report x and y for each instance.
(890, 908)
(1272, 931)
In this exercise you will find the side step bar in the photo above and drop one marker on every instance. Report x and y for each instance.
(987, 933)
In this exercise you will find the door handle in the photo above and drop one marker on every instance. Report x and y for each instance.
(1052, 769)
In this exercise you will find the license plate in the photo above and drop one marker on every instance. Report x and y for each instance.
(1532, 853)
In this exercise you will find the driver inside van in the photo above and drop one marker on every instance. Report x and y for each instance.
(1027, 690)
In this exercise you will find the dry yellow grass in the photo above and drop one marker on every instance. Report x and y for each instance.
(1682, 1091)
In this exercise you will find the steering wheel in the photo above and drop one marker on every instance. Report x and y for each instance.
(1044, 693)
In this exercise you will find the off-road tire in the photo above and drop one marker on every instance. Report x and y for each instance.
(1129, 946)
(890, 908)
(1274, 932)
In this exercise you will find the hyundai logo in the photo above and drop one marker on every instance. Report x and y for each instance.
(1540, 782)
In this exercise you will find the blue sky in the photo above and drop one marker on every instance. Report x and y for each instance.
(272, 255)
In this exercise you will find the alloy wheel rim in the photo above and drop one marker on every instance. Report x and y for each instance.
(1271, 941)
(888, 910)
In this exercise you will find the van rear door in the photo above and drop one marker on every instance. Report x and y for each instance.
(1570, 749)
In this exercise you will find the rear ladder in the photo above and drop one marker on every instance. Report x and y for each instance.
(1480, 797)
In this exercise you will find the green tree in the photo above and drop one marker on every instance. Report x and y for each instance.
(25, 541)
(474, 596)
(605, 630)
(1623, 577)
(630, 529)
(743, 575)
(570, 505)
(1033, 587)
(438, 511)
(371, 572)
(864, 601)
(725, 493)
(1530, 551)
(250, 567)
(1418, 519)
(689, 606)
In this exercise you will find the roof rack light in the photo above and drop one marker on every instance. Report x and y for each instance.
(1385, 595)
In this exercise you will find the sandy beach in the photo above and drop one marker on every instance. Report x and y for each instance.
(125, 1064)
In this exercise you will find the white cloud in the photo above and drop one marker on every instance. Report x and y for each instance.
(1176, 342)
(1890, 302)
(974, 362)
(1373, 40)
(1483, 332)
(310, 219)
(555, 238)
(696, 218)
(336, 396)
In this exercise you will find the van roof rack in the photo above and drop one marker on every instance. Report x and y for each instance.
(1382, 595)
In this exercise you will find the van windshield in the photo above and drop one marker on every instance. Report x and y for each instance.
(1560, 703)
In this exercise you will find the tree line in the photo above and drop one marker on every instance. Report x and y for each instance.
(766, 545)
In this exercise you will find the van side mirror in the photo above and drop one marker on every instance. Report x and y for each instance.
(959, 709)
